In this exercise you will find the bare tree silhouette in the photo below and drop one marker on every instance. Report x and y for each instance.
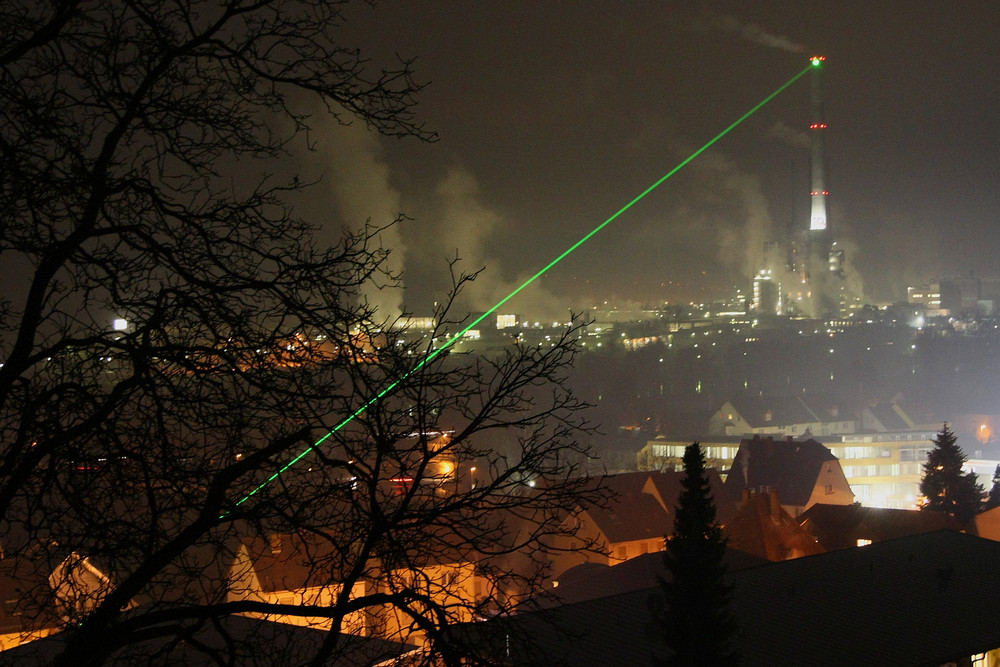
(144, 495)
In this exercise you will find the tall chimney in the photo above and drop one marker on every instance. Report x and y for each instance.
(818, 223)
(775, 503)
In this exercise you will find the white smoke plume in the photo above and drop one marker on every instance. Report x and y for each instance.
(753, 33)
(359, 179)
(741, 241)
(447, 221)
(789, 136)
(474, 233)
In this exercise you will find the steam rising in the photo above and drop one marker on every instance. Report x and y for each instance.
(448, 223)
(755, 34)
(741, 245)
(789, 136)
(360, 183)
(470, 231)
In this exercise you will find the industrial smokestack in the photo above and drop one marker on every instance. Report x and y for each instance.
(818, 222)
(823, 264)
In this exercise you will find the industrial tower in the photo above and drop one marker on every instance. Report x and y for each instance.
(813, 255)
(820, 234)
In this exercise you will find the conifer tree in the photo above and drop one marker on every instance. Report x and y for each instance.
(695, 621)
(994, 498)
(944, 486)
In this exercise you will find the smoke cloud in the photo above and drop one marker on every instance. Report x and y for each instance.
(755, 34)
(457, 222)
(446, 221)
(360, 183)
(789, 136)
(747, 225)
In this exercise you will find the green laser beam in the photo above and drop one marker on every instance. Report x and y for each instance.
(456, 337)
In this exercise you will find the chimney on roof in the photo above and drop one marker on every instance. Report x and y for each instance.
(775, 503)
(745, 464)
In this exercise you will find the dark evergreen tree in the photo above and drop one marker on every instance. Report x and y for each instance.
(994, 498)
(694, 620)
(944, 485)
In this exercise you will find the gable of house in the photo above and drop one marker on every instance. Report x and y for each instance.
(803, 471)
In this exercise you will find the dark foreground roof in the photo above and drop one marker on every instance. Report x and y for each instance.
(841, 526)
(594, 580)
(237, 641)
(920, 600)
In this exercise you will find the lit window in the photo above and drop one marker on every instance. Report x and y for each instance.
(862, 542)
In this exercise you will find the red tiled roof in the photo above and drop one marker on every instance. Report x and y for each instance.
(635, 513)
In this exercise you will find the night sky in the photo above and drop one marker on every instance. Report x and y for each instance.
(552, 115)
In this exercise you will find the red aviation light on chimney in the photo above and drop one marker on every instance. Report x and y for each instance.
(818, 126)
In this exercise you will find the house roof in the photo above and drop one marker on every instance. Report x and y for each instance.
(287, 562)
(624, 513)
(642, 504)
(198, 575)
(668, 487)
(888, 417)
(27, 599)
(762, 528)
(636, 516)
(761, 412)
(841, 526)
(235, 639)
(791, 466)
(827, 407)
(917, 600)
(590, 581)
